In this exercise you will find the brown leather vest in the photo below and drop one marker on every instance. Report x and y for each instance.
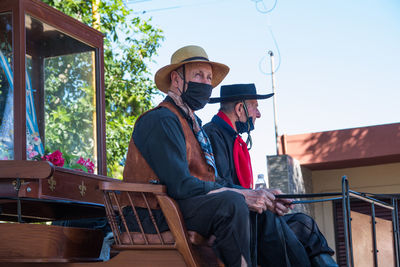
(138, 171)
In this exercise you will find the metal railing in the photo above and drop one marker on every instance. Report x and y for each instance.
(345, 197)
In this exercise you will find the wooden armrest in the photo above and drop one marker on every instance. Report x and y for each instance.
(177, 226)
(26, 169)
(133, 187)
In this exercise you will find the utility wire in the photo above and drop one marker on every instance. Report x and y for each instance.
(273, 69)
(264, 10)
(263, 59)
(171, 7)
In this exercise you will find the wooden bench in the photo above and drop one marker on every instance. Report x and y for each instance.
(181, 247)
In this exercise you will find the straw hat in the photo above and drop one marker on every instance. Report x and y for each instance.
(184, 55)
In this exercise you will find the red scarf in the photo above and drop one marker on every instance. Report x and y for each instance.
(241, 157)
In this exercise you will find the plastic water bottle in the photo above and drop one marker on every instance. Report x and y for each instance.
(260, 183)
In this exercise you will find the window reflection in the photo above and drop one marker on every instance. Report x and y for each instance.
(69, 105)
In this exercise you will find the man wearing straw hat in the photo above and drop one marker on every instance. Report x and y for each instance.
(170, 146)
(237, 114)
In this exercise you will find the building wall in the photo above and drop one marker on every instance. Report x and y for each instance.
(383, 178)
(364, 146)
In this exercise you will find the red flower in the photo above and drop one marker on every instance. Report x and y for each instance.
(81, 161)
(87, 163)
(55, 158)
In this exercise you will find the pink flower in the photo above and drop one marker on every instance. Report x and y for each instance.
(32, 154)
(55, 158)
(87, 163)
(90, 166)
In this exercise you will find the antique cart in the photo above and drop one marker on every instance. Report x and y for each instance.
(52, 99)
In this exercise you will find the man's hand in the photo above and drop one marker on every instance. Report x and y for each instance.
(281, 205)
(259, 200)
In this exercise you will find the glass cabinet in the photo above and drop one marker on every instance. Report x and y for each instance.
(51, 85)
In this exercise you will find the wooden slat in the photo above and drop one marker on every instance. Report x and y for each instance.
(133, 187)
(147, 258)
(11, 169)
(46, 261)
(47, 242)
(133, 247)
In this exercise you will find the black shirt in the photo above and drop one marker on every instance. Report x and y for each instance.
(159, 137)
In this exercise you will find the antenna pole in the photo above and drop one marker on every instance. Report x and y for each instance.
(271, 54)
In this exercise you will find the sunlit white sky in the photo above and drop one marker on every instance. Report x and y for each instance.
(338, 66)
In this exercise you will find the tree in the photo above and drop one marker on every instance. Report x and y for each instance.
(129, 45)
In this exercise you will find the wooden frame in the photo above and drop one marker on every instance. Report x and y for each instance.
(48, 193)
(173, 247)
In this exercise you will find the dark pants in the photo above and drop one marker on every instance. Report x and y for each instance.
(224, 215)
(307, 232)
(289, 240)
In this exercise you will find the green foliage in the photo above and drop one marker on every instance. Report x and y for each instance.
(129, 45)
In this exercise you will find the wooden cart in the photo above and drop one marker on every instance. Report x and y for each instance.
(52, 64)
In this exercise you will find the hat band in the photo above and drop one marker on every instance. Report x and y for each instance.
(195, 58)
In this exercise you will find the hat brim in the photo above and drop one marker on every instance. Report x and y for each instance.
(237, 97)
(163, 77)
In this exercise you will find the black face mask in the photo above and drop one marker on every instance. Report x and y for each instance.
(197, 95)
(244, 127)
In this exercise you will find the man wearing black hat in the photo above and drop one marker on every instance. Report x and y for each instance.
(301, 236)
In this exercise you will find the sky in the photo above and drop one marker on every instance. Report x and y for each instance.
(337, 61)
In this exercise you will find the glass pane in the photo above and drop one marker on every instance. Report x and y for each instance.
(34, 145)
(61, 71)
(6, 88)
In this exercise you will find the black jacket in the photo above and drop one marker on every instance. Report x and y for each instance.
(222, 137)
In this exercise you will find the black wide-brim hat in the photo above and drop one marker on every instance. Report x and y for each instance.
(236, 92)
